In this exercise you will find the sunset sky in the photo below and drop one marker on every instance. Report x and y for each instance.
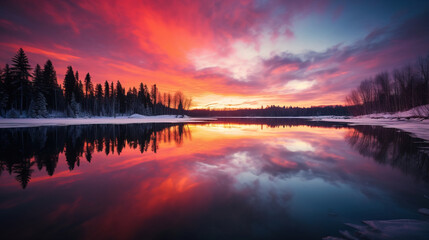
(221, 53)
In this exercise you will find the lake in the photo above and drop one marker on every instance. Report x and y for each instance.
(226, 179)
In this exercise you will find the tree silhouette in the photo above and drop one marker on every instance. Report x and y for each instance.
(69, 84)
(38, 106)
(38, 79)
(23, 172)
(404, 89)
(21, 74)
(51, 88)
(16, 89)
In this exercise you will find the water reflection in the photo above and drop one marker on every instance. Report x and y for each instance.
(22, 148)
(392, 147)
(234, 179)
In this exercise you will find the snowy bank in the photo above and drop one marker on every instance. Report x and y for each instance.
(135, 118)
(414, 121)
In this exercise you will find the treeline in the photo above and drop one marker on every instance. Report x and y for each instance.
(403, 89)
(38, 94)
(272, 111)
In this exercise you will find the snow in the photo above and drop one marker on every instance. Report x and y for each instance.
(158, 116)
(424, 211)
(414, 121)
(386, 229)
(135, 118)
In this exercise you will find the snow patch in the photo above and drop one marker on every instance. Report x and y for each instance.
(424, 211)
(387, 229)
(414, 121)
(135, 118)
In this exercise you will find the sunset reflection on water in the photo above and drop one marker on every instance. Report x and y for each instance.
(207, 180)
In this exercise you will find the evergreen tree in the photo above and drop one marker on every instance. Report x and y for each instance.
(74, 107)
(106, 97)
(79, 92)
(99, 98)
(120, 96)
(113, 100)
(38, 80)
(154, 94)
(89, 94)
(141, 95)
(69, 84)
(38, 106)
(51, 88)
(7, 79)
(3, 93)
(106, 91)
(21, 73)
(88, 84)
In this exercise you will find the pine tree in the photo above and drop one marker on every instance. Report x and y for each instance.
(69, 84)
(106, 97)
(8, 86)
(3, 93)
(99, 98)
(113, 99)
(38, 106)
(88, 84)
(154, 94)
(21, 73)
(50, 84)
(79, 92)
(38, 80)
(120, 96)
(74, 107)
(89, 93)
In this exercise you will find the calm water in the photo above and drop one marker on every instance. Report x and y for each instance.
(230, 179)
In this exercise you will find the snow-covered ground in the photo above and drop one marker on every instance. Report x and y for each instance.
(135, 118)
(414, 121)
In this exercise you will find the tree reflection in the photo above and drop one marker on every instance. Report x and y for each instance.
(393, 147)
(23, 148)
(282, 122)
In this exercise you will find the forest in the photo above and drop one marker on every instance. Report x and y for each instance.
(402, 89)
(272, 111)
(37, 94)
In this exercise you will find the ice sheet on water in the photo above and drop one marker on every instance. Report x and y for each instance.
(386, 230)
(424, 211)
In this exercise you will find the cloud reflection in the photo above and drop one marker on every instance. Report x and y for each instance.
(154, 181)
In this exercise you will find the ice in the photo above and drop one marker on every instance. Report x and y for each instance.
(387, 229)
(424, 211)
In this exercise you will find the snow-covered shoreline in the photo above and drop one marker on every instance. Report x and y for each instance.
(417, 127)
(135, 118)
(414, 121)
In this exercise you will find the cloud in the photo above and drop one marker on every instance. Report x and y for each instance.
(235, 49)
(296, 85)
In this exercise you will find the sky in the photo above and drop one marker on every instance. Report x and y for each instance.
(223, 54)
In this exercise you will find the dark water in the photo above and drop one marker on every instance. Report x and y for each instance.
(230, 179)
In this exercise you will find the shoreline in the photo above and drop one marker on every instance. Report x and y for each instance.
(417, 127)
(43, 122)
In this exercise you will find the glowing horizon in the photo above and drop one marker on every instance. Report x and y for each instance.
(224, 54)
